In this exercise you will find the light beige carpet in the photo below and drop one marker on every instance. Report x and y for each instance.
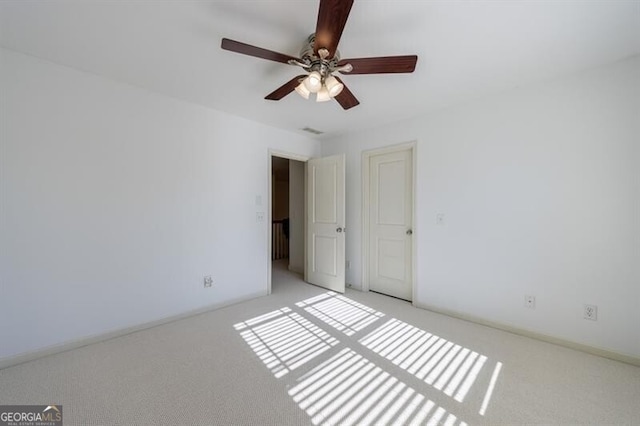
(307, 356)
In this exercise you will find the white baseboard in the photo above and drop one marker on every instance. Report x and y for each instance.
(535, 335)
(353, 287)
(78, 343)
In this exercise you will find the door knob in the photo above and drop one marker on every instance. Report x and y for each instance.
(409, 232)
(339, 230)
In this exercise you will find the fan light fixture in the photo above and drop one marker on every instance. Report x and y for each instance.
(320, 68)
(313, 82)
(325, 88)
(302, 90)
(323, 95)
(333, 86)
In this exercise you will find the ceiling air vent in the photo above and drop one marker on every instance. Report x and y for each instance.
(314, 131)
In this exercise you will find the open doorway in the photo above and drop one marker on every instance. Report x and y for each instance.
(280, 209)
(287, 216)
(315, 244)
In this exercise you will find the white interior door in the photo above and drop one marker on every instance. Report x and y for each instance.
(325, 222)
(390, 224)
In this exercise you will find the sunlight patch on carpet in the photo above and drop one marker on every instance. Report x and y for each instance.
(448, 367)
(340, 312)
(284, 340)
(348, 389)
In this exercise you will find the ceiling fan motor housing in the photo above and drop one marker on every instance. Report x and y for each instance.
(317, 62)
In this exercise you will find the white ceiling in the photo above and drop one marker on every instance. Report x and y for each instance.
(466, 49)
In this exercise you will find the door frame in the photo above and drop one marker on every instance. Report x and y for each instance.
(269, 213)
(366, 205)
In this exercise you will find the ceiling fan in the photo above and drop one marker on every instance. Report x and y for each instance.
(320, 58)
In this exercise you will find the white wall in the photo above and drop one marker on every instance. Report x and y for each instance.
(540, 188)
(296, 216)
(115, 202)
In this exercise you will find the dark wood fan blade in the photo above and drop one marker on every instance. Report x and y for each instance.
(381, 65)
(258, 52)
(285, 89)
(346, 98)
(332, 17)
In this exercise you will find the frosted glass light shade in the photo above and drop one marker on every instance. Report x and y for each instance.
(313, 82)
(333, 86)
(323, 95)
(303, 91)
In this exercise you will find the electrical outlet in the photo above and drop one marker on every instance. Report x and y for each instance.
(440, 219)
(591, 312)
(208, 281)
(530, 302)
(348, 264)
